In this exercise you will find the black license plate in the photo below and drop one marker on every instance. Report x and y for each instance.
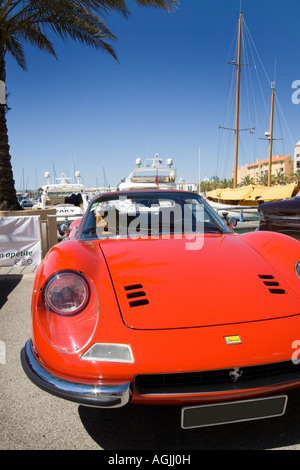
(232, 412)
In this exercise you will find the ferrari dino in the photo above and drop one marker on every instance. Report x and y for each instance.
(152, 299)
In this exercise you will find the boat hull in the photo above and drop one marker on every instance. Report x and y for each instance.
(68, 212)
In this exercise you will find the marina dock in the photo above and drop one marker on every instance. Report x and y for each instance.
(246, 226)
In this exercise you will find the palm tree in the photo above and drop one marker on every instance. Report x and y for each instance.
(28, 21)
(248, 180)
(280, 178)
(263, 180)
(224, 183)
(297, 177)
(205, 186)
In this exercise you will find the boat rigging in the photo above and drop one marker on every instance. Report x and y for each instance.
(247, 198)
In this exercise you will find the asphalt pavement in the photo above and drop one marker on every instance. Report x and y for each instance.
(31, 419)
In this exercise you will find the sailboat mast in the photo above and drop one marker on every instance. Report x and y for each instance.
(271, 135)
(237, 103)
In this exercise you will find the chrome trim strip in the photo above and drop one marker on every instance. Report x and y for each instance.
(100, 396)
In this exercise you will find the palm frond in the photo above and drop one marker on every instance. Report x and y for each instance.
(81, 25)
(168, 5)
(14, 47)
(79, 20)
(107, 5)
(33, 34)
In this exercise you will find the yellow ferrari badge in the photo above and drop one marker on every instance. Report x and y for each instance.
(235, 339)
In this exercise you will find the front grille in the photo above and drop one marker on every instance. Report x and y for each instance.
(220, 380)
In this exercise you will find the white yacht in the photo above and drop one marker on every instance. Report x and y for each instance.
(69, 199)
(152, 176)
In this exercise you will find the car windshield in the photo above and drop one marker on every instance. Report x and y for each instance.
(144, 214)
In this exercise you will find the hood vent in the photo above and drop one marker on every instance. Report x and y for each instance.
(270, 281)
(135, 292)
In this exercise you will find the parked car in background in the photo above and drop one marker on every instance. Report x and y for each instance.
(282, 216)
(26, 203)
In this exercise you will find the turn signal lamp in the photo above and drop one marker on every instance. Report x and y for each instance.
(109, 352)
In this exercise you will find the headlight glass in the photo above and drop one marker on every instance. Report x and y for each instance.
(68, 310)
(66, 293)
(297, 268)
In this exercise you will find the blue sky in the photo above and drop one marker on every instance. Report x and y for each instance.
(168, 95)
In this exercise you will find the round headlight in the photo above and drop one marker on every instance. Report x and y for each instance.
(67, 311)
(297, 268)
(66, 293)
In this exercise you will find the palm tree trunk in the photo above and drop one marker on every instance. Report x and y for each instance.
(8, 196)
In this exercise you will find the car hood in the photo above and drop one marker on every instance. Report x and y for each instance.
(160, 284)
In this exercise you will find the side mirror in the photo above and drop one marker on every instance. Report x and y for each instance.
(231, 222)
(63, 229)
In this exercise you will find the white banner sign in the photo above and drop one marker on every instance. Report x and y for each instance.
(20, 241)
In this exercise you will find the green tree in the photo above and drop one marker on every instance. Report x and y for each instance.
(297, 177)
(224, 183)
(248, 180)
(263, 180)
(205, 186)
(29, 21)
(280, 178)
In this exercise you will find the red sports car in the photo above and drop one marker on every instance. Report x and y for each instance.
(153, 300)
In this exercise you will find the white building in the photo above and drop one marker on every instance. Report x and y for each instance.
(297, 157)
(184, 186)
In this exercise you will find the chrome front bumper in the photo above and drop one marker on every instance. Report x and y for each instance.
(100, 396)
